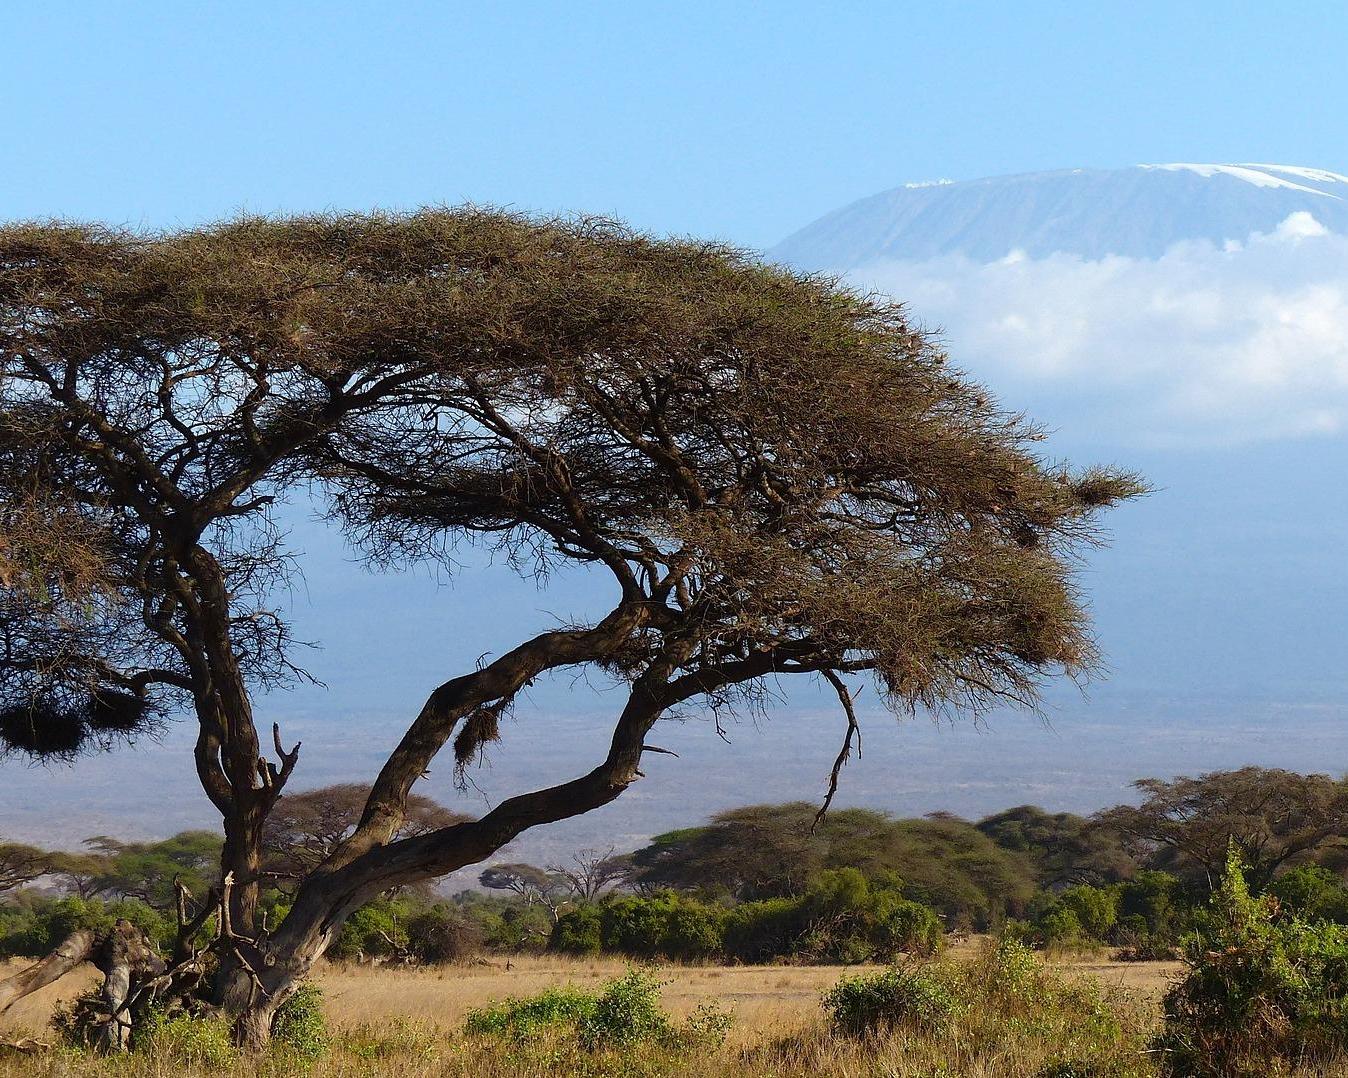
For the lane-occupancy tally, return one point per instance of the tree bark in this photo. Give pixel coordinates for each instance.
(126, 959)
(73, 951)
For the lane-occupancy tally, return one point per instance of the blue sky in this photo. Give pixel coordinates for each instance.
(737, 120)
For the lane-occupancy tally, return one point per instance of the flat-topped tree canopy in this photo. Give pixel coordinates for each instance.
(779, 474)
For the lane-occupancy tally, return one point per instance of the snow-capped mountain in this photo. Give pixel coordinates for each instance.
(1139, 211)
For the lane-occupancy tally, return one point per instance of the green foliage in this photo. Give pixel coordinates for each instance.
(951, 866)
(186, 1040)
(299, 1025)
(626, 1013)
(666, 925)
(520, 1018)
(441, 933)
(1063, 848)
(1312, 892)
(1061, 926)
(423, 931)
(35, 926)
(842, 917)
(1096, 908)
(992, 1005)
(1258, 987)
(147, 870)
(878, 1002)
(578, 931)
(764, 852)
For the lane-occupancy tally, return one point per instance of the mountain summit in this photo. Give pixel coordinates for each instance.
(1138, 211)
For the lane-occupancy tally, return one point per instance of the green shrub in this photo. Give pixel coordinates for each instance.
(188, 1041)
(1096, 909)
(693, 931)
(1060, 925)
(1010, 969)
(1258, 988)
(578, 931)
(442, 934)
(842, 917)
(36, 928)
(904, 927)
(666, 925)
(761, 931)
(625, 1013)
(520, 1018)
(1313, 892)
(299, 1025)
(373, 931)
(877, 1002)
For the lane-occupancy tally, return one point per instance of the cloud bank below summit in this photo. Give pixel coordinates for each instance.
(1204, 345)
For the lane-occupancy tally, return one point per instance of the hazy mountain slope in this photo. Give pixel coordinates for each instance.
(1138, 211)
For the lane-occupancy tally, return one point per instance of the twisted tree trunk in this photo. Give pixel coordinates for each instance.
(72, 952)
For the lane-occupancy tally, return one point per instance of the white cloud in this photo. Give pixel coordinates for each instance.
(1244, 342)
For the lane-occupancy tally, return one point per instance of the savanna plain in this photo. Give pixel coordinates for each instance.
(410, 1022)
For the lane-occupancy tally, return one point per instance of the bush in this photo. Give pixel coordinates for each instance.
(878, 1002)
(1259, 988)
(1313, 892)
(627, 1012)
(519, 1018)
(662, 926)
(35, 928)
(188, 1041)
(299, 1024)
(578, 931)
(1060, 925)
(1096, 909)
(442, 934)
(761, 931)
(373, 931)
(905, 927)
(624, 1014)
(842, 917)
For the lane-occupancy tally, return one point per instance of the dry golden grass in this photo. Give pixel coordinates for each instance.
(765, 998)
(403, 1023)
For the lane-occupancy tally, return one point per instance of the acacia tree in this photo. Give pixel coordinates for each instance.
(777, 476)
(304, 829)
(21, 864)
(1273, 816)
(531, 883)
(590, 871)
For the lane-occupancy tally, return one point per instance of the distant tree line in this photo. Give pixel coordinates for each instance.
(762, 883)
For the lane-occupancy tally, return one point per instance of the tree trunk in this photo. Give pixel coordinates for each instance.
(126, 959)
(73, 951)
(252, 1028)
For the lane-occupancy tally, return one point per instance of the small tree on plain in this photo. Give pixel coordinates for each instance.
(590, 872)
(775, 475)
(531, 883)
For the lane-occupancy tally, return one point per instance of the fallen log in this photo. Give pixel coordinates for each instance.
(74, 950)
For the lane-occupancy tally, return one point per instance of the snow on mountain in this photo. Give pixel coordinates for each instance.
(1139, 211)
